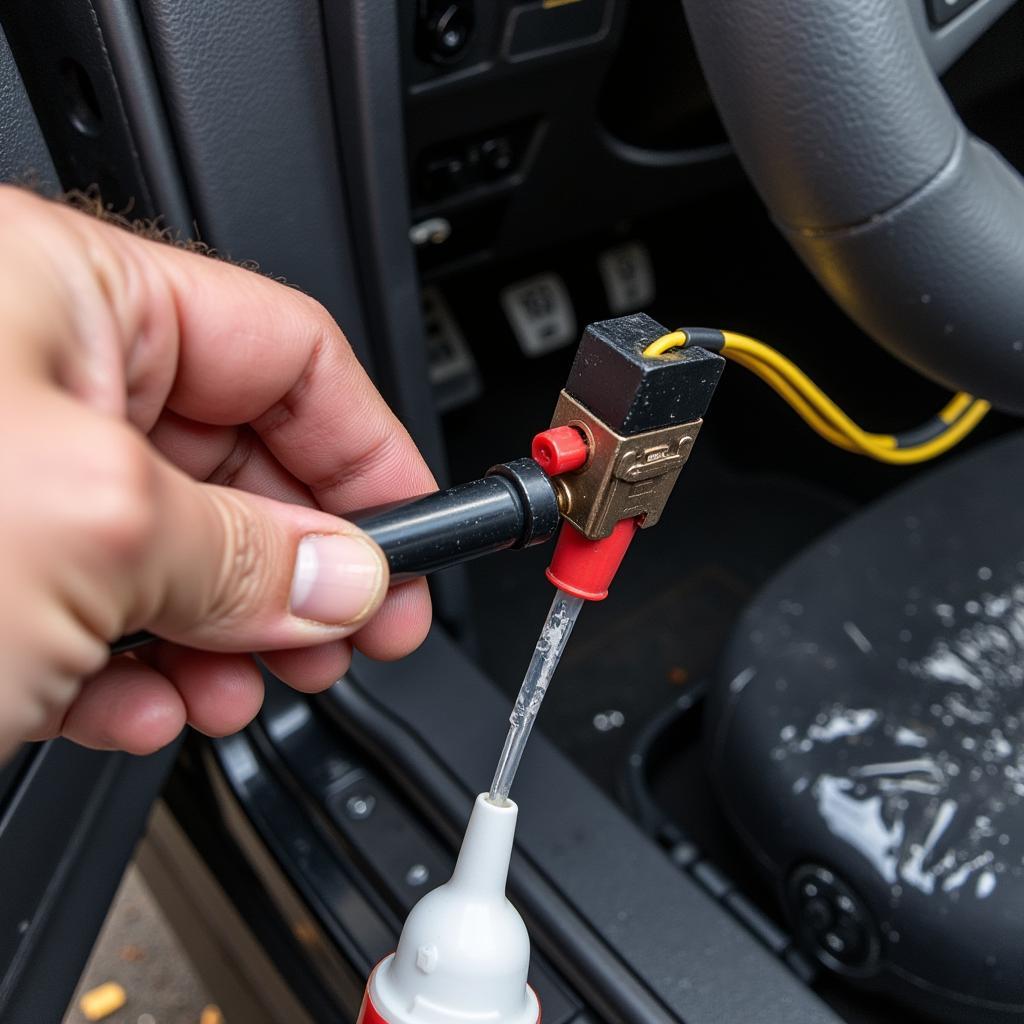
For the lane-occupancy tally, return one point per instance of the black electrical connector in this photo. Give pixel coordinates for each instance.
(513, 506)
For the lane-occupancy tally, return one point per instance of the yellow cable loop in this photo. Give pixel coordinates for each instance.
(793, 398)
(674, 339)
(810, 391)
(837, 433)
(963, 412)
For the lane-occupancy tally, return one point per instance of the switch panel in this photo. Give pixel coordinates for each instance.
(450, 168)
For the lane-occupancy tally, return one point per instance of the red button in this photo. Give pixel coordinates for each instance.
(560, 450)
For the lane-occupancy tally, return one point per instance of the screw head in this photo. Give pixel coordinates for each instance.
(360, 807)
(417, 875)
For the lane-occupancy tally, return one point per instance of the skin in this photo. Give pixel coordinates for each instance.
(172, 427)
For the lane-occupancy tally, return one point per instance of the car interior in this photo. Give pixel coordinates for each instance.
(779, 776)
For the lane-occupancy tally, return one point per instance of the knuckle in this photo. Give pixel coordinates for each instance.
(320, 316)
(122, 508)
(326, 331)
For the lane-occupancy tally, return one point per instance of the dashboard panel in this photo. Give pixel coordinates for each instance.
(546, 120)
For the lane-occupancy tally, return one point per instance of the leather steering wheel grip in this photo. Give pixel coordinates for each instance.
(915, 227)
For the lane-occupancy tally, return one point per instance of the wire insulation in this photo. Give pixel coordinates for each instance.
(952, 424)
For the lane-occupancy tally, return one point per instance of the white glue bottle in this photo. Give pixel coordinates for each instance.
(464, 952)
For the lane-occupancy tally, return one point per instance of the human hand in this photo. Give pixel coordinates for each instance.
(175, 431)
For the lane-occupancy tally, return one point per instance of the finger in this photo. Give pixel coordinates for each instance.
(228, 456)
(246, 463)
(52, 295)
(236, 456)
(291, 372)
(400, 626)
(217, 344)
(196, 448)
(310, 669)
(49, 728)
(222, 569)
(127, 706)
(222, 692)
(404, 616)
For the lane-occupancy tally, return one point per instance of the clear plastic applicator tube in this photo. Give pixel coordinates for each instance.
(565, 609)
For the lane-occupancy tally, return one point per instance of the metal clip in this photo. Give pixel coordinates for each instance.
(625, 477)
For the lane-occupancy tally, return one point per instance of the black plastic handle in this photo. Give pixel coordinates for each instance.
(513, 506)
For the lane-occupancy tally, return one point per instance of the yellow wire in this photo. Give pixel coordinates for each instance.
(674, 339)
(963, 412)
(788, 394)
(955, 409)
(810, 391)
(827, 420)
(938, 445)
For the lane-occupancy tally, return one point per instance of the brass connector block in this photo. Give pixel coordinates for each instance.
(624, 477)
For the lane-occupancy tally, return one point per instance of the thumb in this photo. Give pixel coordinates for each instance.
(227, 570)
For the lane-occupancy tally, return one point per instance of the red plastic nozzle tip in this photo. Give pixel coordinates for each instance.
(585, 568)
(560, 450)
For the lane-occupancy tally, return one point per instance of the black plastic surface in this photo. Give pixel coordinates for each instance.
(576, 175)
(632, 394)
(69, 73)
(535, 29)
(357, 928)
(941, 12)
(654, 96)
(124, 41)
(946, 43)
(513, 506)
(23, 153)
(363, 59)
(868, 721)
(248, 99)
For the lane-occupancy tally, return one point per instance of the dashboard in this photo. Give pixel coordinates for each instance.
(530, 123)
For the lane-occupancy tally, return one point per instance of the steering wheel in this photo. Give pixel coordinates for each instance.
(913, 225)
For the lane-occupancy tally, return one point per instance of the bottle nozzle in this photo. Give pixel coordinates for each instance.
(464, 953)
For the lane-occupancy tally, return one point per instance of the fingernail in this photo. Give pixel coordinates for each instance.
(336, 578)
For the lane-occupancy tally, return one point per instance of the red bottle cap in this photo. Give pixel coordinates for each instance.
(560, 450)
(585, 568)
(368, 1012)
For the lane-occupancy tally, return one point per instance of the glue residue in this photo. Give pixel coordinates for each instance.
(894, 789)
